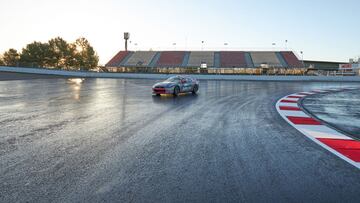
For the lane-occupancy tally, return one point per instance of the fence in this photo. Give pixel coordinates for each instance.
(210, 71)
(89, 74)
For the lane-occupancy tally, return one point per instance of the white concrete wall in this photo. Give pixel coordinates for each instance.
(164, 76)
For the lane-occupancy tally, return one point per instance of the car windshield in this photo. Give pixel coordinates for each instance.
(173, 79)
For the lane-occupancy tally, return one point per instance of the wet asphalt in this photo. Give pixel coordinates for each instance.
(110, 140)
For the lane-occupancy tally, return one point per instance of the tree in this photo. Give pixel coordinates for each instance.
(55, 53)
(1, 61)
(11, 57)
(71, 58)
(36, 54)
(61, 53)
(86, 56)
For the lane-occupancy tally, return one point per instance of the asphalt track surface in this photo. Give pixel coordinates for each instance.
(110, 140)
(341, 110)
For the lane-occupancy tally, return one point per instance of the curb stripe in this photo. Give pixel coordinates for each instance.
(303, 120)
(336, 142)
(295, 97)
(296, 114)
(342, 144)
(350, 148)
(305, 93)
(298, 95)
(289, 108)
(288, 101)
(289, 104)
(292, 99)
(322, 131)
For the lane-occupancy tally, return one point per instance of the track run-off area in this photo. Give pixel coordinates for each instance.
(111, 140)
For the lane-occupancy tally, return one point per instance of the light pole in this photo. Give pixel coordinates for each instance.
(226, 44)
(202, 45)
(274, 44)
(126, 38)
(302, 58)
(286, 47)
(174, 44)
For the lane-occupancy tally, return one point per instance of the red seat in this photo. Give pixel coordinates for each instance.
(171, 58)
(291, 59)
(231, 59)
(116, 60)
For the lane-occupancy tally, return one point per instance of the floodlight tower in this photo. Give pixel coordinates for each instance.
(126, 38)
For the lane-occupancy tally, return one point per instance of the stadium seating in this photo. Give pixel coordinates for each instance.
(198, 57)
(171, 58)
(186, 59)
(281, 59)
(263, 57)
(141, 58)
(117, 59)
(223, 59)
(291, 59)
(233, 59)
(217, 60)
(155, 60)
(249, 61)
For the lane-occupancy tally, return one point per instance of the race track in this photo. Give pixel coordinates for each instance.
(110, 140)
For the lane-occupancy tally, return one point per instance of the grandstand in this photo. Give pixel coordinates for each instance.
(232, 59)
(291, 59)
(171, 59)
(201, 57)
(265, 58)
(141, 59)
(212, 59)
(117, 59)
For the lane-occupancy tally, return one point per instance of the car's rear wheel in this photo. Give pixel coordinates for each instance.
(176, 91)
(195, 89)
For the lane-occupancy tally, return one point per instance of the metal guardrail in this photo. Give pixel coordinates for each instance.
(201, 76)
(336, 73)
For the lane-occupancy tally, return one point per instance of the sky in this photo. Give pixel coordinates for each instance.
(322, 29)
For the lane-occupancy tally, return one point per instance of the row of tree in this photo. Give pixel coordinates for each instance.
(56, 53)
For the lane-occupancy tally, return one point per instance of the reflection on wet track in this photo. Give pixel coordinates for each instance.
(111, 140)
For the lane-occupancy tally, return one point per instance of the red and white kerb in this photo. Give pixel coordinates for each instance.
(341, 145)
